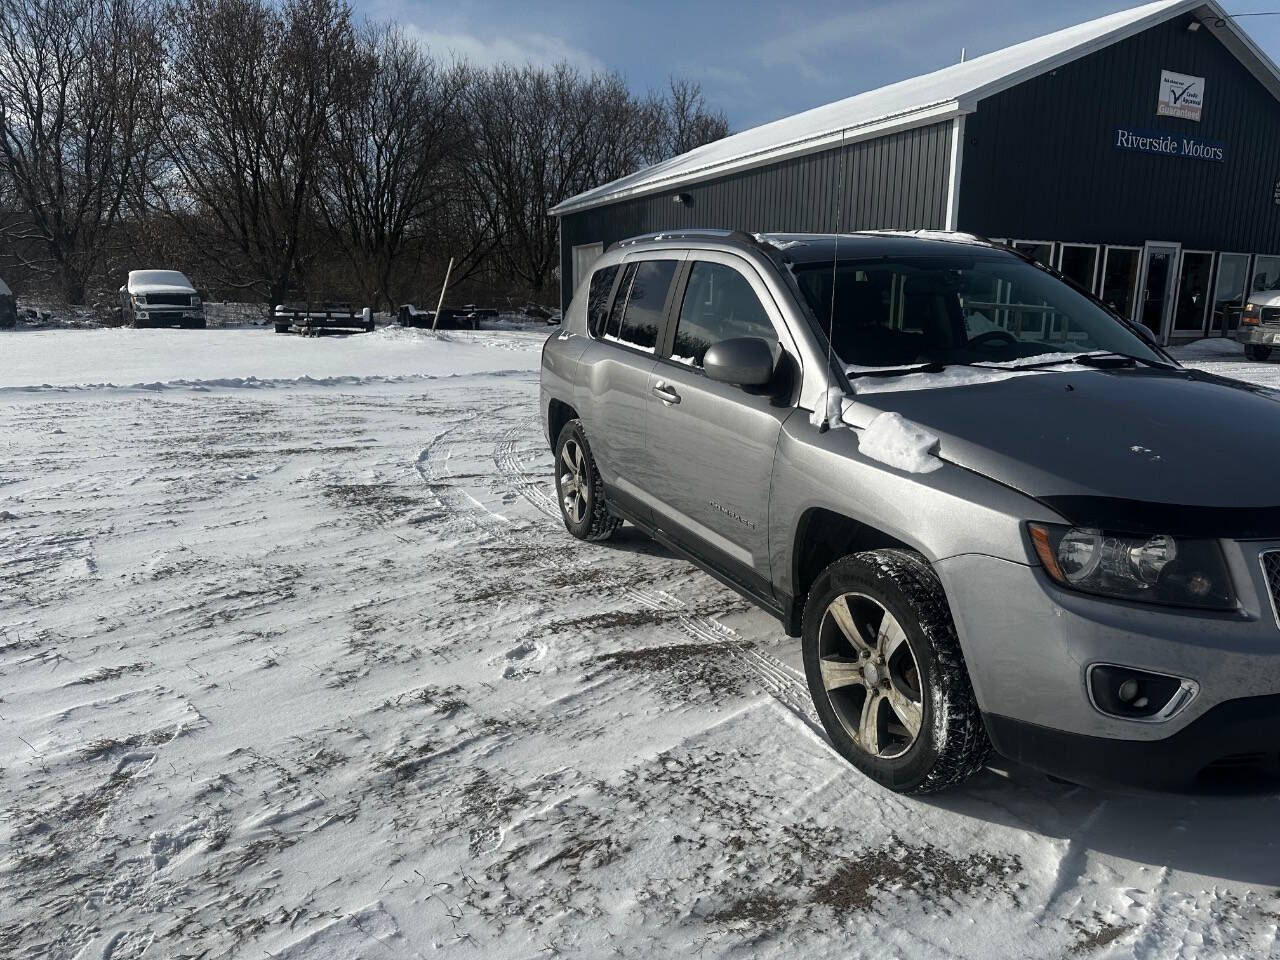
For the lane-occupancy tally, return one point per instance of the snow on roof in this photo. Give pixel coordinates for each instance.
(925, 99)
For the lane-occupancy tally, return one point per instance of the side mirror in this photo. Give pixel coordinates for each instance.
(745, 361)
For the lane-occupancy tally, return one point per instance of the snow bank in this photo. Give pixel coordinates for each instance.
(894, 440)
(254, 357)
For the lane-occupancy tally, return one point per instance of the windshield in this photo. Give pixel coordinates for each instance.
(964, 308)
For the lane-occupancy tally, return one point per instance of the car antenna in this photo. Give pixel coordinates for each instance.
(831, 319)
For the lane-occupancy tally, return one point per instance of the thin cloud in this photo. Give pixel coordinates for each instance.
(537, 49)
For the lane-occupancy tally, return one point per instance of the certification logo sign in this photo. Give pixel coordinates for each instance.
(1180, 96)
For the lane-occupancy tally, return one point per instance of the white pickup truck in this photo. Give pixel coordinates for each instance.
(1259, 328)
(160, 298)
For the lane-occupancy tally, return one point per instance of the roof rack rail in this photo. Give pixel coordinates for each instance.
(696, 233)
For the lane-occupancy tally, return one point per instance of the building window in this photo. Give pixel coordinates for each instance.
(1266, 274)
(1228, 292)
(1079, 262)
(1120, 279)
(1039, 250)
(583, 257)
(1194, 281)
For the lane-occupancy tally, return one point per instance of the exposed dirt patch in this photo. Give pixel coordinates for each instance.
(692, 667)
(1103, 934)
(376, 503)
(922, 871)
(110, 673)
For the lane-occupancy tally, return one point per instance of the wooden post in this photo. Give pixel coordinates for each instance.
(440, 306)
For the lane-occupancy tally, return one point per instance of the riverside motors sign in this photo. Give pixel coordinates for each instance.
(1169, 144)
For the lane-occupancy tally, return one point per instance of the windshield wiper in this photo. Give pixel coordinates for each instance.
(897, 371)
(1106, 360)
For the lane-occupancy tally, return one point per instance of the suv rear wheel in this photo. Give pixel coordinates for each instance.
(579, 489)
(886, 673)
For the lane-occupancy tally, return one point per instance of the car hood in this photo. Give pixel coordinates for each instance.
(1136, 449)
(1265, 298)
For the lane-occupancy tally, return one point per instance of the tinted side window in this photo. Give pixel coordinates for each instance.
(642, 316)
(719, 304)
(598, 298)
(614, 323)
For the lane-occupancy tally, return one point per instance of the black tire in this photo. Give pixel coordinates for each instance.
(1256, 351)
(282, 328)
(951, 744)
(593, 520)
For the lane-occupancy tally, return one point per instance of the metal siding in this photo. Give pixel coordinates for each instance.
(1039, 162)
(895, 181)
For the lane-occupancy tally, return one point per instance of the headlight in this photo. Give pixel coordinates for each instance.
(1146, 569)
(195, 301)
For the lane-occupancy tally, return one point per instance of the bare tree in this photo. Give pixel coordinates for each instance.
(390, 176)
(685, 122)
(250, 123)
(78, 123)
(537, 136)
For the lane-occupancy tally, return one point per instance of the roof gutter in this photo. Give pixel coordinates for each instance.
(917, 117)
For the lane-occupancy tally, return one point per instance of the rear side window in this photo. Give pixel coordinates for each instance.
(719, 304)
(636, 317)
(598, 299)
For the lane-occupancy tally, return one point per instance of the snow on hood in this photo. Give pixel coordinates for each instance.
(1178, 437)
(898, 442)
(158, 281)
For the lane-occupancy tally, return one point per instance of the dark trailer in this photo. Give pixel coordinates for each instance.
(8, 307)
(1139, 154)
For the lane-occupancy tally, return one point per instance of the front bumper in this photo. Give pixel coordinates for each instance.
(1029, 644)
(1236, 743)
(169, 317)
(1262, 334)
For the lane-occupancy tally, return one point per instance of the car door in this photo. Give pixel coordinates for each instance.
(616, 371)
(711, 445)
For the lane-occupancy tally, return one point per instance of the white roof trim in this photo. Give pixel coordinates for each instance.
(945, 93)
(932, 113)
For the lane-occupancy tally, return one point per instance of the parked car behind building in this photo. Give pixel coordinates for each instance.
(160, 298)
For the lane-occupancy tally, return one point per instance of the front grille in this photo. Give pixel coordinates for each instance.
(1271, 567)
(182, 300)
(1271, 315)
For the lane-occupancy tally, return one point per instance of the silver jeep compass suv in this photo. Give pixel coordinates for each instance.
(996, 513)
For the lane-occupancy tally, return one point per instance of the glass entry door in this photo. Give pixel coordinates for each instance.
(1155, 292)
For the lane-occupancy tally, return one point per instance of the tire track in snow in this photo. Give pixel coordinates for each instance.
(776, 678)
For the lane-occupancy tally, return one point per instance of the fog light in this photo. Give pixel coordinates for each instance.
(1131, 694)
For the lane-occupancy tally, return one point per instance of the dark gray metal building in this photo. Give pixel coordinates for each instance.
(1139, 154)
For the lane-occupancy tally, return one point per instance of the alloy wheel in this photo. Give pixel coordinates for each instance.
(574, 483)
(870, 675)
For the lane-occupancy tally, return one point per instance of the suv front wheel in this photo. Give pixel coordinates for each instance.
(886, 673)
(579, 489)
(1256, 351)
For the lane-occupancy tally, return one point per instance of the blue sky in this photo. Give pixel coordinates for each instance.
(757, 62)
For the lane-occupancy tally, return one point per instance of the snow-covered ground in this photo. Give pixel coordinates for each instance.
(311, 670)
